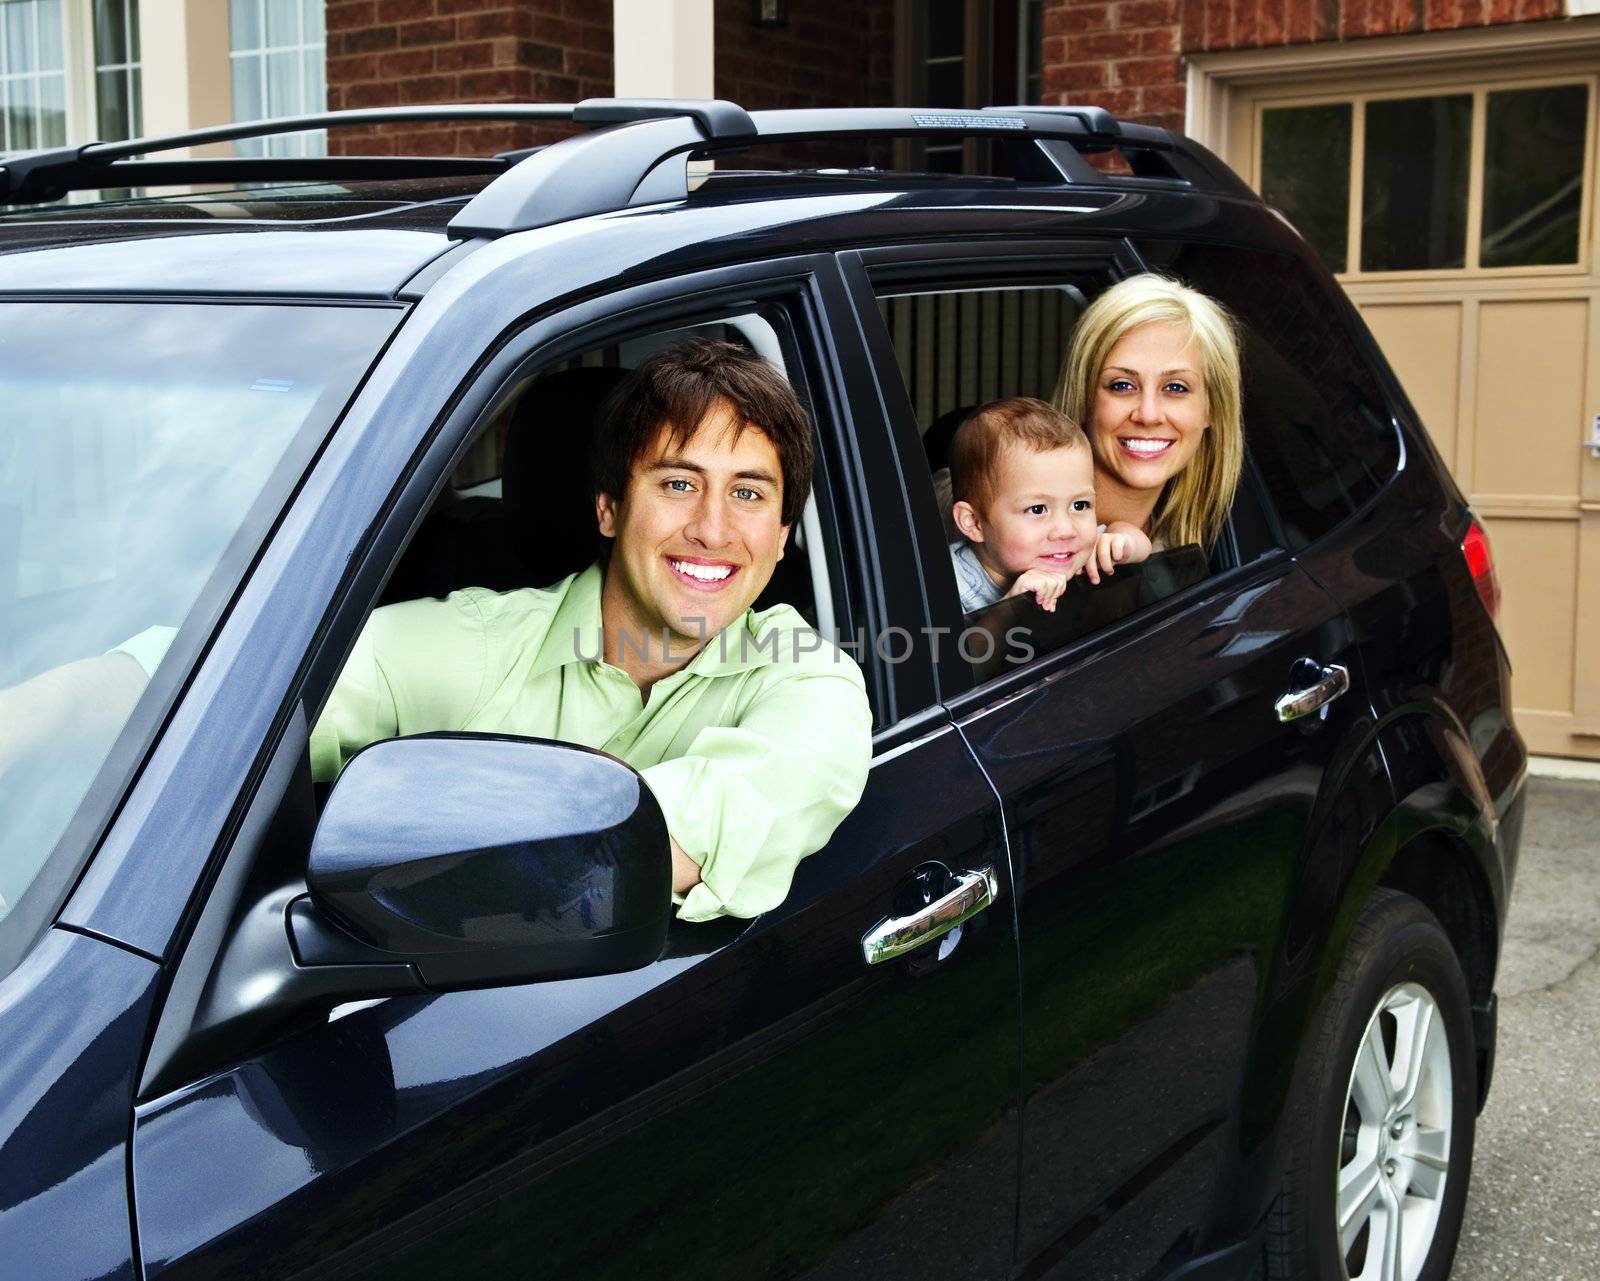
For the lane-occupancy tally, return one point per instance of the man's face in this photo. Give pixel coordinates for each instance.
(698, 531)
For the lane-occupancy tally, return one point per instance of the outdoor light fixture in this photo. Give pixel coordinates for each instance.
(771, 13)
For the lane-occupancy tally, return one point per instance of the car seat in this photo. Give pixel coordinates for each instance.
(542, 527)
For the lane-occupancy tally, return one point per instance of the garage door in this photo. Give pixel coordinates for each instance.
(1458, 214)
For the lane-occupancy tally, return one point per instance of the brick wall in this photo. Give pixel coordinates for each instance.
(831, 53)
(1126, 55)
(389, 53)
(384, 53)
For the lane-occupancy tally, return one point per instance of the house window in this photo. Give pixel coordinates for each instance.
(116, 68)
(276, 47)
(945, 73)
(1461, 179)
(1030, 51)
(33, 75)
(42, 102)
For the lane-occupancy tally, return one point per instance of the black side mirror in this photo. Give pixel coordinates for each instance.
(473, 860)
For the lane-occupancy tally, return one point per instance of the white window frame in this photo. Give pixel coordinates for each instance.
(80, 66)
(85, 9)
(300, 144)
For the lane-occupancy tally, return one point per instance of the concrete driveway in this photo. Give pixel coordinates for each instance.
(1534, 1207)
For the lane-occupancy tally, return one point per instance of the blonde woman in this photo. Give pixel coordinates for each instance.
(1153, 375)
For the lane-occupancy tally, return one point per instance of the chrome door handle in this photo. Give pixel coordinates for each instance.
(894, 936)
(1335, 680)
(1593, 443)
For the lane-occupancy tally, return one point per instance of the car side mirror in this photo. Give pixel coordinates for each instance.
(476, 860)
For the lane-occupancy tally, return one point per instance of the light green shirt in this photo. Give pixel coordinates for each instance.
(756, 749)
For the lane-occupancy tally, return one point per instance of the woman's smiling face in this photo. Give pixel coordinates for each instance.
(1149, 412)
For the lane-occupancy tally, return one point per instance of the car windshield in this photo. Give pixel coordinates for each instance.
(144, 447)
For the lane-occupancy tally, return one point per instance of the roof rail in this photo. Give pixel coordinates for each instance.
(647, 162)
(35, 176)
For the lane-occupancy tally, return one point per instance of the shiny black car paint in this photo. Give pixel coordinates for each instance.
(1090, 1084)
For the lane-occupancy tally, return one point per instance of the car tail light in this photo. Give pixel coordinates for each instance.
(1480, 563)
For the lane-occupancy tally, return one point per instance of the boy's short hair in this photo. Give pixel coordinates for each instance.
(676, 388)
(981, 441)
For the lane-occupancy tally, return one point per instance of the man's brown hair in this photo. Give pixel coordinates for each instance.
(981, 441)
(677, 387)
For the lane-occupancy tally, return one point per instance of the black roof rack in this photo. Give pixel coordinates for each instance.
(646, 163)
(35, 176)
(637, 154)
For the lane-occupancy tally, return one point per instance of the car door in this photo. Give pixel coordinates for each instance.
(760, 1101)
(1162, 818)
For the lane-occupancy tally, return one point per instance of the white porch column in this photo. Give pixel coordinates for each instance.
(663, 48)
(187, 80)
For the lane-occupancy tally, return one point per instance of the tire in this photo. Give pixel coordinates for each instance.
(1359, 1149)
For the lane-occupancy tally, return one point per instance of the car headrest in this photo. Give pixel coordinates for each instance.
(544, 479)
(936, 440)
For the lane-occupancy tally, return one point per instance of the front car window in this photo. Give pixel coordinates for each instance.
(139, 444)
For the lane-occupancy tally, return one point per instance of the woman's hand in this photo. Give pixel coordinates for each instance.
(1120, 544)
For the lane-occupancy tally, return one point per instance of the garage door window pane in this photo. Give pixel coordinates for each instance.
(1414, 199)
(1533, 175)
(1305, 171)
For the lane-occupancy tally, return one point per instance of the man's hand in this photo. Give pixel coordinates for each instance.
(83, 702)
(1120, 544)
(1046, 586)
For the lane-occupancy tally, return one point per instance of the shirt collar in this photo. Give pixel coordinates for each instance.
(576, 634)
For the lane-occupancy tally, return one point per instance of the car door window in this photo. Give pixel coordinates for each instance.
(959, 344)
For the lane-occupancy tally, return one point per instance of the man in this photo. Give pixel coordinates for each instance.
(752, 733)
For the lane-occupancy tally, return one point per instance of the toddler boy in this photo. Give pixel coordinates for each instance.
(1022, 484)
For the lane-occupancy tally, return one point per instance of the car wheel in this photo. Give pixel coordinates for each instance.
(1380, 1129)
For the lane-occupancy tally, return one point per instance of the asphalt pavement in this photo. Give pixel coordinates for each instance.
(1534, 1206)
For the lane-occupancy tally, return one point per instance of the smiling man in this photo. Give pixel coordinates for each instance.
(752, 733)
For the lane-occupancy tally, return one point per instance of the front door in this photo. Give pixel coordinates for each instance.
(1457, 209)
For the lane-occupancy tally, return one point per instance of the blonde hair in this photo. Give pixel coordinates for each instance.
(1195, 502)
(989, 430)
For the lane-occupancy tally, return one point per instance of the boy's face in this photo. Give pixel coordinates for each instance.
(698, 531)
(1041, 515)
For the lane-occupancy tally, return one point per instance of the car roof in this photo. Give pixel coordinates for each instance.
(361, 239)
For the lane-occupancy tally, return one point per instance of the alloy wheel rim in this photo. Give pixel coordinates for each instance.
(1394, 1158)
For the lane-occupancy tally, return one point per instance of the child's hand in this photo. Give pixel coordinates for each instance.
(1120, 544)
(1045, 585)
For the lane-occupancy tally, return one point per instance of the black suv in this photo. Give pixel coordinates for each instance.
(1211, 872)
